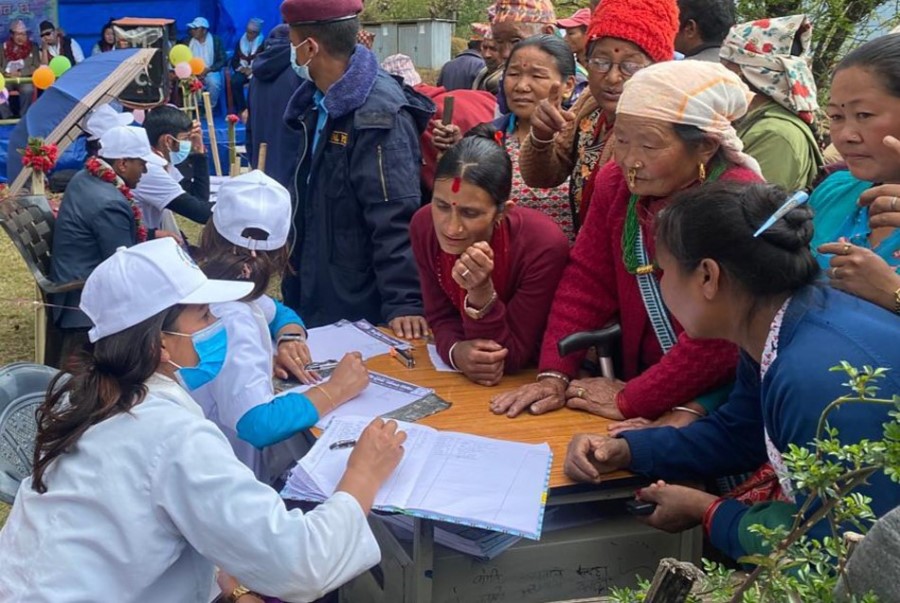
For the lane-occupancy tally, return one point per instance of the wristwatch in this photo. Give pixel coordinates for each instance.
(479, 314)
(239, 591)
(290, 337)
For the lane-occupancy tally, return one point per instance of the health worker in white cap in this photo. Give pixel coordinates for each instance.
(97, 216)
(246, 240)
(136, 497)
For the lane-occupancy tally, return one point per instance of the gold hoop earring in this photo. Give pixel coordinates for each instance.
(702, 172)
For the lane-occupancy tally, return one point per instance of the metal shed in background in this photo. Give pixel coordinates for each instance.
(426, 41)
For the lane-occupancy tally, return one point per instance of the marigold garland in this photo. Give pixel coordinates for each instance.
(100, 169)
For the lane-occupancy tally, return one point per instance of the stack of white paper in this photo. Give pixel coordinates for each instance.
(453, 477)
(332, 342)
(383, 395)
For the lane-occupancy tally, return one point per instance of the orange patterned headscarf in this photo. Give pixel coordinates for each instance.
(695, 93)
(524, 11)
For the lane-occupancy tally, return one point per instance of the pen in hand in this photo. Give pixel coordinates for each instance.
(341, 444)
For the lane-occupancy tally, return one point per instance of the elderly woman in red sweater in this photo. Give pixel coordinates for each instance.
(487, 269)
(673, 132)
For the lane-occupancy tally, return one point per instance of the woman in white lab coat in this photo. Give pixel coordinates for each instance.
(246, 240)
(136, 497)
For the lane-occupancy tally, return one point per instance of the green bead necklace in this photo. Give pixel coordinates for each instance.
(633, 225)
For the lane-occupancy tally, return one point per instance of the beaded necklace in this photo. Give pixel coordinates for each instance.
(633, 225)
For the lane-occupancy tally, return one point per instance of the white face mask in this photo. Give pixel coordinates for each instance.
(184, 150)
(302, 71)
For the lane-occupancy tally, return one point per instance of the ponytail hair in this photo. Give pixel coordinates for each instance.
(221, 259)
(481, 160)
(106, 381)
(718, 220)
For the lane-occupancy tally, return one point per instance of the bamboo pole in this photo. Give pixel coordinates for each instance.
(261, 160)
(211, 124)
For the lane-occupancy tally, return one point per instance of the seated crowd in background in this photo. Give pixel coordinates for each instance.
(580, 181)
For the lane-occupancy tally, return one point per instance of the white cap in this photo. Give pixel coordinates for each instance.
(253, 200)
(198, 22)
(128, 142)
(139, 282)
(104, 118)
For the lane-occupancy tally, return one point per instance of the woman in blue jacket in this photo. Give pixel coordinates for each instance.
(759, 292)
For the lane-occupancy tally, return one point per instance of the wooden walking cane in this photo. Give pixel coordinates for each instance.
(211, 124)
(261, 160)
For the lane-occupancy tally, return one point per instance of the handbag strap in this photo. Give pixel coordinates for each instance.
(652, 298)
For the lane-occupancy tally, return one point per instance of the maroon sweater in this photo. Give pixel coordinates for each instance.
(538, 251)
(596, 289)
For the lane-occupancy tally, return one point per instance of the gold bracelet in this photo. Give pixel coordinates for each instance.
(324, 391)
(553, 375)
(541, 143)
(897, 301)
(690, 410)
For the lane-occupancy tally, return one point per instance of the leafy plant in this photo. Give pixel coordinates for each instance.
(800, 568)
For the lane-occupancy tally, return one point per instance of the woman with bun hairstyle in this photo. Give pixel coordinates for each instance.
(488, 268)
(759, 292)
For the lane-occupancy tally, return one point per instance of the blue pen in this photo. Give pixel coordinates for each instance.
(796, 200)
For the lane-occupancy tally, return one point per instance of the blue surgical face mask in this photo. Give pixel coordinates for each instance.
(302, 71)
(211, 345)
(184, 149)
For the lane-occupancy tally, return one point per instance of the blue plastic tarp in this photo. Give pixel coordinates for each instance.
(84, 19)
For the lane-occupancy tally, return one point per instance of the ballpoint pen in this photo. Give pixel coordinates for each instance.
(341, 444)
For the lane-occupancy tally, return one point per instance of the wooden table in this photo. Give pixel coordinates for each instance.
(470, 412)
(408, 575)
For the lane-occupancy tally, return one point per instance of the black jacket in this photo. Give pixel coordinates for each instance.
(355, 195)
(273, 84)
(94, 220)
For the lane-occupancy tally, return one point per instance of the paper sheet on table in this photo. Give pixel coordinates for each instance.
(332, 342)
(383, 395)
(438, 362)
(454, 477)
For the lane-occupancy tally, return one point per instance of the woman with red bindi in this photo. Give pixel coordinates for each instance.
(488, 268)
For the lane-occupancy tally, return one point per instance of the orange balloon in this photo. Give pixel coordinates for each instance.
(43, 77)
(197, 65)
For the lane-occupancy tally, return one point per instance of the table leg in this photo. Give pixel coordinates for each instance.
(423, 560)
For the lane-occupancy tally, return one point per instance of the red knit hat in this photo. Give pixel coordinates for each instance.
(651, 24)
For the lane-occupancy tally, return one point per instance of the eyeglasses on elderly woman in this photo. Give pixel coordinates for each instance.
(603, 65)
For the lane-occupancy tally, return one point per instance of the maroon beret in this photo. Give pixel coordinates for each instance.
(308, 12)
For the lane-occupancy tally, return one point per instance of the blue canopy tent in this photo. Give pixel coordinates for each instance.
(57, 114)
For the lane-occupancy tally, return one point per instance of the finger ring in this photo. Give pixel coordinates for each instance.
(893, 203)
(581, 392)
(834, 272)
(297, 360)
(465, 273)
(845, 250)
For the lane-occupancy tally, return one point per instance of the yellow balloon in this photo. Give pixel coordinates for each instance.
(43, 77)
(180, 54)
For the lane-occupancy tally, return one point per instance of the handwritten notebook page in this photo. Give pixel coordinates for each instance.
(449, 476)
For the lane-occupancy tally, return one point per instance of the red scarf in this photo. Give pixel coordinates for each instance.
(500, 275)
(14, 52)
